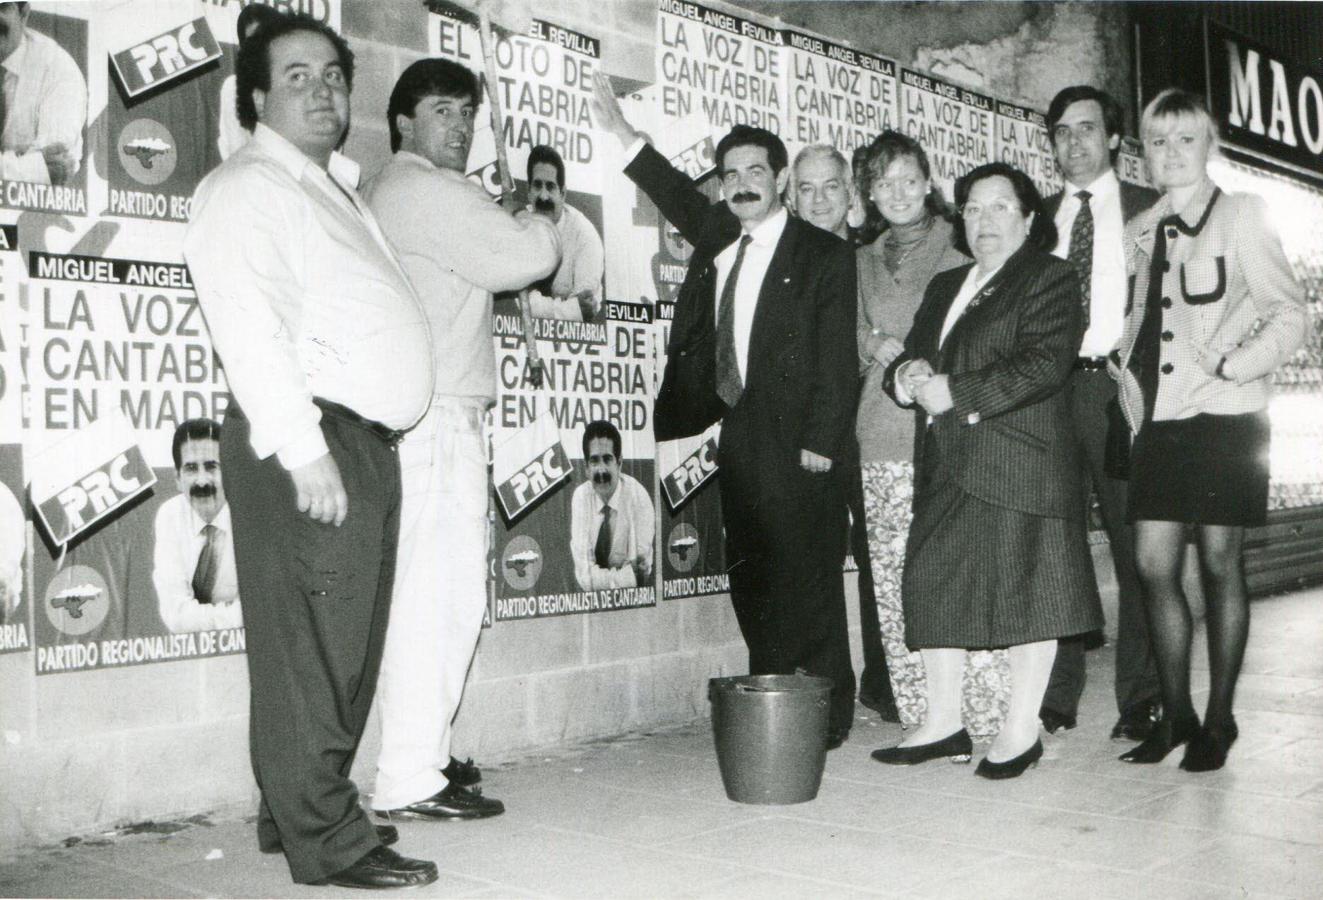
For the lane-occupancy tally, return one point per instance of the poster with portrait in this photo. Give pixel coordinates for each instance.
(544, 83)
(118, 359)
(170, 115)
(556, 466)
(1023, 141)
(954, 125)
(838, 95)
(45, 143)
(15, 601)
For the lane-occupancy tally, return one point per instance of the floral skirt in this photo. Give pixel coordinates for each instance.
(986, 690)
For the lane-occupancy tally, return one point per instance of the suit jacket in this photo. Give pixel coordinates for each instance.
(1227, 285)
(1008, 440)
(801, 383)
(1134, 200)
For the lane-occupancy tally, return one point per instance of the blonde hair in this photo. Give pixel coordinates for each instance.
(1175, 103)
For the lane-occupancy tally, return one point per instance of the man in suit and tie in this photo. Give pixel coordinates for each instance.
(763, 341)
(193, 571)
(1085, 126)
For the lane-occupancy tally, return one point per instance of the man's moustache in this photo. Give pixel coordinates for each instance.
(744, 196)
(544, 205)
(601, 478)
(202, 490)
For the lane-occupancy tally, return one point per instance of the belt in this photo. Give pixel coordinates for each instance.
(389, 436)
(1091, 363)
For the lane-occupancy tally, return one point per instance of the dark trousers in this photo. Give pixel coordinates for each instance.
(874, 682)
(1136, 669)
(785, 552)
(315, 604)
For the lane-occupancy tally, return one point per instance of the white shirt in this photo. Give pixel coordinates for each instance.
(45, 104)
(1108, 284)
(757, 257)
(180, 538)
(968, 291)
(13, 543)
(582, 258)
(304, 298)
(633, 526)
(457, 259)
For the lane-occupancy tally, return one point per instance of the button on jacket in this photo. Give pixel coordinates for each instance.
(1227, 285)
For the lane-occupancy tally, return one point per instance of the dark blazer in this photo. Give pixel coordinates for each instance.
(801, 383)
(1008, 439)
(1134, 200)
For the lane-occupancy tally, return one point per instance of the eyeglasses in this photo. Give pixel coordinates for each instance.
(998, 209)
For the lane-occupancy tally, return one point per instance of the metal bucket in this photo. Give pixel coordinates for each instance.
(771, 735)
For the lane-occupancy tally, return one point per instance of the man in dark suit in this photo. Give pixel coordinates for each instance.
(1085, 125)
(763, 341)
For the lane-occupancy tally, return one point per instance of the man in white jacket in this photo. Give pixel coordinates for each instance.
(457, 247)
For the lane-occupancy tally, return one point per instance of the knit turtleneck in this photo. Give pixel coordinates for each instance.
(901, 240)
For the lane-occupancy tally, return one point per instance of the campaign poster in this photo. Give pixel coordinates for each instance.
(954, 125)
(556, 468)
(14, 592)
(1023, 141)
(732, 71)
(544, 85)
(170, 112)
(838, 95)
(132, 557)
(1130, 165)
(44, 140)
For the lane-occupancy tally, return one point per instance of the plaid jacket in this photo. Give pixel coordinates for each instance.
(1227, 285)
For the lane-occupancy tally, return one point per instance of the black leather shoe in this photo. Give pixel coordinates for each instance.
(956, 747)
(382, 867)
(1054, 721)
(1168, 734)
(451, 802)
(885, 707)
(1011, 768)
(836, 737)
(462, 772)
(387, 834)
(1137, 721)
(1207, 751)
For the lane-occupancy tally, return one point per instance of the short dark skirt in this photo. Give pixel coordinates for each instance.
(1205, 470)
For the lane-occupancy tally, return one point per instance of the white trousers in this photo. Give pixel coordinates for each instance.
(438, 601)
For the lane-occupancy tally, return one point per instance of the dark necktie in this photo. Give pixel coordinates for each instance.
(1081, 250)
(602, 549)
(204, 576)
(729, 384)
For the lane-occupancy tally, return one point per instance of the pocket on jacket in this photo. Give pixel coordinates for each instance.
(1204, 280)
(1018, 435)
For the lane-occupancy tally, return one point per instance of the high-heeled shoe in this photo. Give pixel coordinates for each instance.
(956, 747)
(1011, 768)
(1207, 752)
(1168, 734)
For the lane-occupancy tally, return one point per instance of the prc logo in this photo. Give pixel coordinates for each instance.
(683, 547)
(147, 151)
(521, 563)
(77, 600)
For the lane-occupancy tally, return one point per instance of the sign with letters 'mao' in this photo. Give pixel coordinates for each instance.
(1265, 103)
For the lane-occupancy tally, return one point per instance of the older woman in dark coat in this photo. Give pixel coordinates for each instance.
(997, 555)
